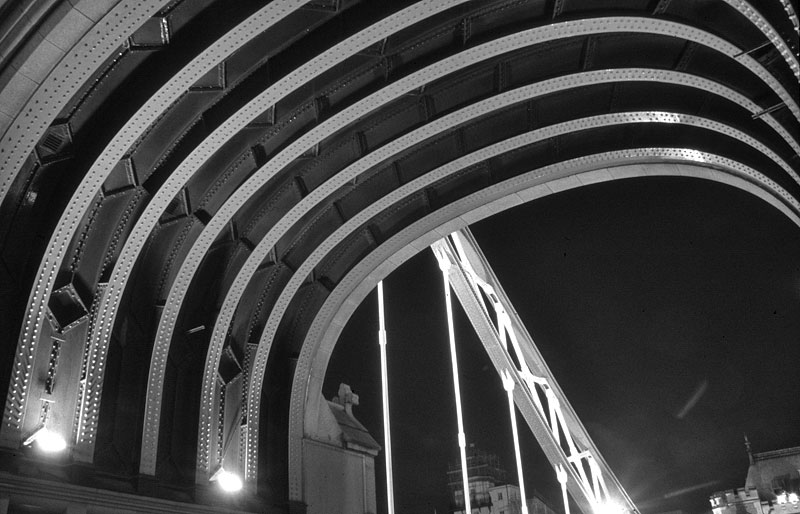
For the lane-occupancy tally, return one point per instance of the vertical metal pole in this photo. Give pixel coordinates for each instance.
(385, 388)
(462, 439)
(508, 385)
(561, 474)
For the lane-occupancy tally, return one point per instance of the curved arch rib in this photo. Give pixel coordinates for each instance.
(360, 281)
(187, 168)
(84, 195)
(79, 63)
(752, 14)
(278, 310)
(35, 313)
(233, 297)
(482, 52)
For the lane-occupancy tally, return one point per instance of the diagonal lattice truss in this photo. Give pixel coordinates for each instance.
(537, 395)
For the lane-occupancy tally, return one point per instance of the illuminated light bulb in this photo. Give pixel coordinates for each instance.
(793, 498)
(47, 440)
(782, 498)
(229, 482)
(50, 442)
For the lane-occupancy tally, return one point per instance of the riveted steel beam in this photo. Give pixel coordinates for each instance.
(54, 256)
(234, 295)
(187, 168)
(752, 14)
(332, 316)
(91, 184)
(302, 273)
(178, 179)
(79, 62)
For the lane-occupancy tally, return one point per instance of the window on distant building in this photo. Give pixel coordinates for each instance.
(500, 497)
(780, 483)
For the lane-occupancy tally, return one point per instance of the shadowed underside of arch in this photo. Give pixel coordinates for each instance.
(196, 194)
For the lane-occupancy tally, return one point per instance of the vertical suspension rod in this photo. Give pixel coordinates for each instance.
(508, 385)
(462, 439)
(561, 474)
(385, 391)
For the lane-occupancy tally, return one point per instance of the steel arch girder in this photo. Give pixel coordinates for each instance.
(566, 29)
(50, 97)
(177, 180)
(40, 313)
(266, 244)
(324, 330)
(66, 70)
(245, 274)
(91, 184)
(280, 306)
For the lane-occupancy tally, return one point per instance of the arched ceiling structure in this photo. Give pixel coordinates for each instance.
(195, 194)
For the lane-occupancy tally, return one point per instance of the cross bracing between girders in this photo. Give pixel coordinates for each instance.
(557, 428)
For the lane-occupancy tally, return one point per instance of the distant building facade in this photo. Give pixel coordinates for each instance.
(489, 490)
(772, 486)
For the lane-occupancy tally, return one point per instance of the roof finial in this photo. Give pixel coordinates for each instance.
(749, 450)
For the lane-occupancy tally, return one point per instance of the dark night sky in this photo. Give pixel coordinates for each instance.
(637, 292)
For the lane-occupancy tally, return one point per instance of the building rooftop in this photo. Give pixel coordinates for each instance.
(774, 471)
(354, 435)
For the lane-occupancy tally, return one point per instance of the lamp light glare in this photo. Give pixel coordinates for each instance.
(793, 498)
(50, 441)
(47, 440)
(781, 498)
(229, 482)
(610, 507)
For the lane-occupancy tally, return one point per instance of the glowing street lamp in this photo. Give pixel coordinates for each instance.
(46, 440)
(229, 482)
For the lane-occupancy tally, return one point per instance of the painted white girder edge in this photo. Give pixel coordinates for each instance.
(360, 281)
(26, 139)
(79, 63)
(29, 55)
(104, 309)
(180, 177)
(159, 102)
(302, 273)
(40, 311)
(98, 173)
(752, 14)
(35, 314)
(790, 12)
(233, 296)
